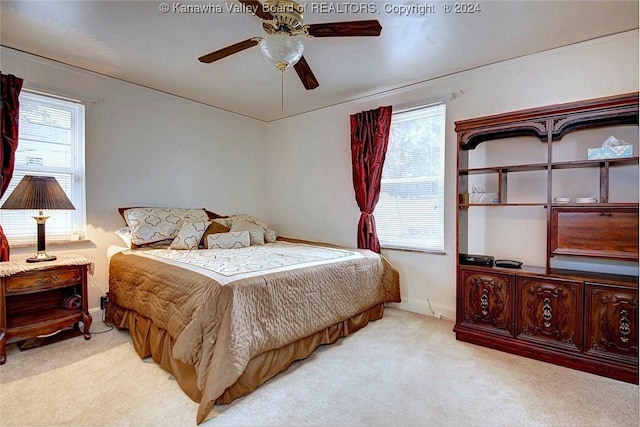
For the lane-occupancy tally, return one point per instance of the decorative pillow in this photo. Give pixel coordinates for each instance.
(256, 232)
(230, 240)
(214, 227)
(125, 235)
(213, 215)
(121, 211)
(162, 244)
(189, 235)
(270, 235)
(148, 225)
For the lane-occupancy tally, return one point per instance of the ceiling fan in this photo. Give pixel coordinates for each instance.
(282, 21)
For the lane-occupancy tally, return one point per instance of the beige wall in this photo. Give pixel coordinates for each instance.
(148, 148)
(309, 155)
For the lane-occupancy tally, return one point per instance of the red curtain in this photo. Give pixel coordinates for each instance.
(369, 140)
(11, 86)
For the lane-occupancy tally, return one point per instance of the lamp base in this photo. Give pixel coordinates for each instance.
(41, 256)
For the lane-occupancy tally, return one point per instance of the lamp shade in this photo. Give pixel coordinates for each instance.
(281, 50)
(38, 193)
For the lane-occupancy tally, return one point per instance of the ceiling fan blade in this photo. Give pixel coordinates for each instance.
(345, 29)
(307, 78)
(229, 50)
(255, 7)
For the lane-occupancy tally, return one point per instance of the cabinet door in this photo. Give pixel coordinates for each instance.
(549, 312)
(612, 323)
(487, 300)
(608, 232)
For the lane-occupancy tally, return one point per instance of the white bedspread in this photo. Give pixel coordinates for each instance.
(228, 265)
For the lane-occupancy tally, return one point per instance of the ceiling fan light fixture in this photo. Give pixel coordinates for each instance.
(281, 50)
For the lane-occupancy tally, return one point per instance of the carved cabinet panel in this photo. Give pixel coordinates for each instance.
(487, 301)
(612, 323)
(549, 312)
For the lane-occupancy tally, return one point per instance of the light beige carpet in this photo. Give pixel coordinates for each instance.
(404, 370)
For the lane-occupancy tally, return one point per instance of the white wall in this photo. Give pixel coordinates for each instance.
(310, 191)
(146, 148)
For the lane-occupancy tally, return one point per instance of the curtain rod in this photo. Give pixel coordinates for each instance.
(407, 108)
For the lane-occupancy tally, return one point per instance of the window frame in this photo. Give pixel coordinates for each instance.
(439, 178)
(63, 226)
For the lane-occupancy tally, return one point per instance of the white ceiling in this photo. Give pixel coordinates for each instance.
(136, 42)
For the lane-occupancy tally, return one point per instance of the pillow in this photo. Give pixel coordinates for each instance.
(213, 215)
(270, 235)
(189, 235)
(230, 240)
(148, 225)
(125, 235)
(162, 244)
(256, 232)
(214, 227)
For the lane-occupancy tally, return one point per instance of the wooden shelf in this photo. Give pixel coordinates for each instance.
(594, 163)
(579, 319)
(504, 169)
(497, 205)
(572, 164)
(594, 205)
(24, 322)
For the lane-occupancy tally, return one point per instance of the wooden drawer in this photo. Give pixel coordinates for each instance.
(608, 232)
(35, 281)
(549, 312)
(487, 301)
(612, 323)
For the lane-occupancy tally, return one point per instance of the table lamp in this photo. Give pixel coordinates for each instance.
(38, 193)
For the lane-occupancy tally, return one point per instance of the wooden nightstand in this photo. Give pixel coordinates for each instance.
(32, 296)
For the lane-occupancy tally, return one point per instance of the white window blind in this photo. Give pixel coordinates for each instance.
(50, 143)
(410, 211)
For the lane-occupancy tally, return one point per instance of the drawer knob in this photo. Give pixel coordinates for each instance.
(42, 280)
(606, 214)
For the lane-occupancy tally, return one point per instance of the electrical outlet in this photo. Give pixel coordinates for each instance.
(103, 302)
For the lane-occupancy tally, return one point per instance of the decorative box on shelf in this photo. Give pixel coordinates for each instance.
(612, 148)
(479, 198)
(610, 152)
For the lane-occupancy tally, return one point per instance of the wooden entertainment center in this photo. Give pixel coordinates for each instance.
(581, 318)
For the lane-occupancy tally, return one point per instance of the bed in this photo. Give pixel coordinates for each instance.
(225, 317)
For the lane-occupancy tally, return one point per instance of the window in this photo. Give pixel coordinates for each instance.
(51, 143)
(410, 211)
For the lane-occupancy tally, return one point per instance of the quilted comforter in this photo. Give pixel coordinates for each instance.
(218, 327)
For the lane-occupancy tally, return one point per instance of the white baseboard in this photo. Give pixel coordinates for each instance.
(426, 307)
(95, 313)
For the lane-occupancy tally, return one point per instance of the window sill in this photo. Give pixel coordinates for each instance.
(422, 251)
(50, 243)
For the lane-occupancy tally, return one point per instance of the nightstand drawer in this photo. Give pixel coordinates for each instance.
(37, 280)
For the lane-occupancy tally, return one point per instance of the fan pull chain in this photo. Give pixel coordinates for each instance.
(282, 90)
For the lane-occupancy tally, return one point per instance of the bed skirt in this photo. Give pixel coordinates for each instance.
(149, 340)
